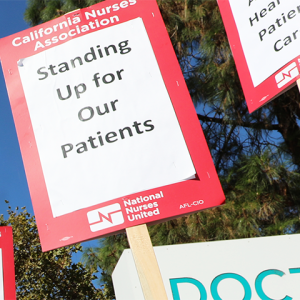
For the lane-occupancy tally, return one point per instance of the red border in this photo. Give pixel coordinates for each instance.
(179, 199)
(267, 90)
(7, 246)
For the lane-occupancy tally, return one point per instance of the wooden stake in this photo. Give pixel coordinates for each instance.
(298, 84)
(146, 263)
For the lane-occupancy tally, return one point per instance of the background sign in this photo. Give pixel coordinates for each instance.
(257, 268)
(7, 266)
(264, 37)
(108, 132)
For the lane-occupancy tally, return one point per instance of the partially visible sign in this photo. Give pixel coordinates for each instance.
(258, 269)
(7, 267)
(265, 39)
(108, 132)
(1, 277)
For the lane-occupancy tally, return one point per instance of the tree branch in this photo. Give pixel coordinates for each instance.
(259, 125)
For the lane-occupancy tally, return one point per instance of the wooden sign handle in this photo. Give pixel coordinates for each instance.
(146, 263)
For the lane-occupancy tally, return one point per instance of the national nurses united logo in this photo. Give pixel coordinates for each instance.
(286, 75)
(105, 217)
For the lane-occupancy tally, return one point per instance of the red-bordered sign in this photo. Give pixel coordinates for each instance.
(112, 216)
(263, 36)
(8, 267)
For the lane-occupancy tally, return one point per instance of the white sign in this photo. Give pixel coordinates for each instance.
(258, 269)
(269, 32)
(104, 129)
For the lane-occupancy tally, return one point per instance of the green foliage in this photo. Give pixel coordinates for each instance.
(40, 11)
(48, 275)
(104, 259)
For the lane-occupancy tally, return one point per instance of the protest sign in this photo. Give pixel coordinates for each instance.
(264, 37)
(108, 132)
(7, 267)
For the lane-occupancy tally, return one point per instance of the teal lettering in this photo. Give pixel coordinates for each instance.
(241, 279)
(261, 277)
(174, 287)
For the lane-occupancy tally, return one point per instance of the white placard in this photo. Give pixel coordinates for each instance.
(103, 121)
(269, 32)
(256, 269)
(1, 277)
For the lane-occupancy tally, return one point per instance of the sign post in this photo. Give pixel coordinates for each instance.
(146, 263)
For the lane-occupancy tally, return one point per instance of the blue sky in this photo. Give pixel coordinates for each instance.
(13, 184)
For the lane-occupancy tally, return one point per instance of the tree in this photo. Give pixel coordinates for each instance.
(256, 156)
(48, 275)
